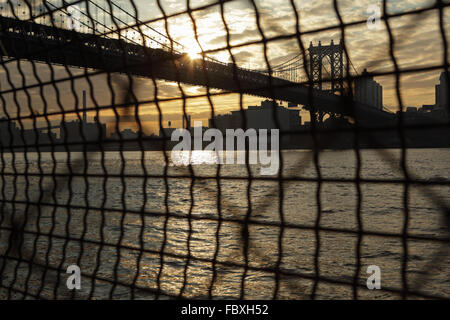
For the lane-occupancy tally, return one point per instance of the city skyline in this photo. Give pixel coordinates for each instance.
(151, 126)
(363, 43)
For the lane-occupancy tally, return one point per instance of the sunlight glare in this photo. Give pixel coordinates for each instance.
(194, 55)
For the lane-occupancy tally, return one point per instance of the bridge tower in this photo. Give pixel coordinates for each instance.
(334, 55)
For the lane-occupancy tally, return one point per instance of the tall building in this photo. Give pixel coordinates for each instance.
(442, 91)
(437, 97)
(368, 91)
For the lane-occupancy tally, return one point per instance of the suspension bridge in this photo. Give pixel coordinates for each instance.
(136, 48)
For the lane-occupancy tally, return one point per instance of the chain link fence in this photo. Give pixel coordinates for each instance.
(112, 202)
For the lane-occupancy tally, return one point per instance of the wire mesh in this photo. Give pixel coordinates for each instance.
(140, 228)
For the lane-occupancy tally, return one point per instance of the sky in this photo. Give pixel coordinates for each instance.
(417, 37)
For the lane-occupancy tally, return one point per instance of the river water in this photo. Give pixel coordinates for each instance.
(117, 183)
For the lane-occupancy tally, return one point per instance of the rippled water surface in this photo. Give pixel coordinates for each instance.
(127, 212)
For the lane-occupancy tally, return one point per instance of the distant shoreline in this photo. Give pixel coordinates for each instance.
(59, 150)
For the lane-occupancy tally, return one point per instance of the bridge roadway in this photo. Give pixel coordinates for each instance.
(37, 42)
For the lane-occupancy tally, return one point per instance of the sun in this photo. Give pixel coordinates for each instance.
(192, 49)
(194, 55)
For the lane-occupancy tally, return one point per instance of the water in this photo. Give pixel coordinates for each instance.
(382, 210)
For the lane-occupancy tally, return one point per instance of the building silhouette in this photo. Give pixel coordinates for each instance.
(442, 91)
(259, 117)
(368, 91)
(82, 130)
(438, 111)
